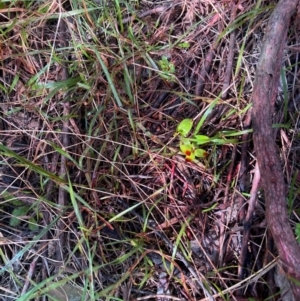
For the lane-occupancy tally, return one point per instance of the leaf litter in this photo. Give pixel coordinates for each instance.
(136, 219)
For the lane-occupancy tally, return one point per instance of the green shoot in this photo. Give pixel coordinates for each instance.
(167, 69)
(189, 145)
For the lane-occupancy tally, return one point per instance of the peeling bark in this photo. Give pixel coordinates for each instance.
(264, 95)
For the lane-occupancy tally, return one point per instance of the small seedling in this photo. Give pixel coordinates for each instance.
(167, 69)
(184, 45)
(189, 143)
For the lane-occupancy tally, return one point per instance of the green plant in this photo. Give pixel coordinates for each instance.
(21, 212)
(167, 68)
(189, 142)
(189, 146)
(184, 45)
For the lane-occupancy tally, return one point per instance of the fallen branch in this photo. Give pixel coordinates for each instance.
(272, 180)
(230, 56)
(62, 195)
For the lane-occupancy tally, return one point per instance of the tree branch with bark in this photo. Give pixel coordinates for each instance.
(272, 179)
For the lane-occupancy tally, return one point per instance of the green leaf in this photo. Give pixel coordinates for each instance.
(190, 158)
(210, 208)
(167, 68)
(220, 141)
(184, 45)
(108, 77)
(63, 152)
(185, 126)
(206, 113)
(15, 221)
(235, 133)
(201, 139)
(34, 167)
(33, 225)
(186, 147)
(20, 211)
(11, 199)
(200, 153)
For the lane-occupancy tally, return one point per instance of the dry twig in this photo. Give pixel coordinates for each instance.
(230, 55)
(65, 143)
(247, 222)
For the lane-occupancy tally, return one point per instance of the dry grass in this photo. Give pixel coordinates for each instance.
(95, 198)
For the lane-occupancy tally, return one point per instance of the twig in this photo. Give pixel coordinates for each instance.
(46, 216)
(222, 226)
(157, 296)
(205, 69)
(247, 223)
(244, 164)
(156, 10)
(29, 276)
(231, 53)
(65, 143)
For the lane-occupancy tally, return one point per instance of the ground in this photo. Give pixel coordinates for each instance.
(98, 201)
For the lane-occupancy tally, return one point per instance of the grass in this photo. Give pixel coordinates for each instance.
(112, 209)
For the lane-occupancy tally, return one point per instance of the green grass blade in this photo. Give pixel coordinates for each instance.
(206, 113)
(108, 77)
(9, 153)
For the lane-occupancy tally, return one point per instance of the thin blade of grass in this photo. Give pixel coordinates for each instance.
(9, 153)
(206, 113)
(108, 77)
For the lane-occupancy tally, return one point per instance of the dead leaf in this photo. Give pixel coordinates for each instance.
(66, 292)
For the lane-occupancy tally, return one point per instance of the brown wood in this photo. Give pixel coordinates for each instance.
(264, 95)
